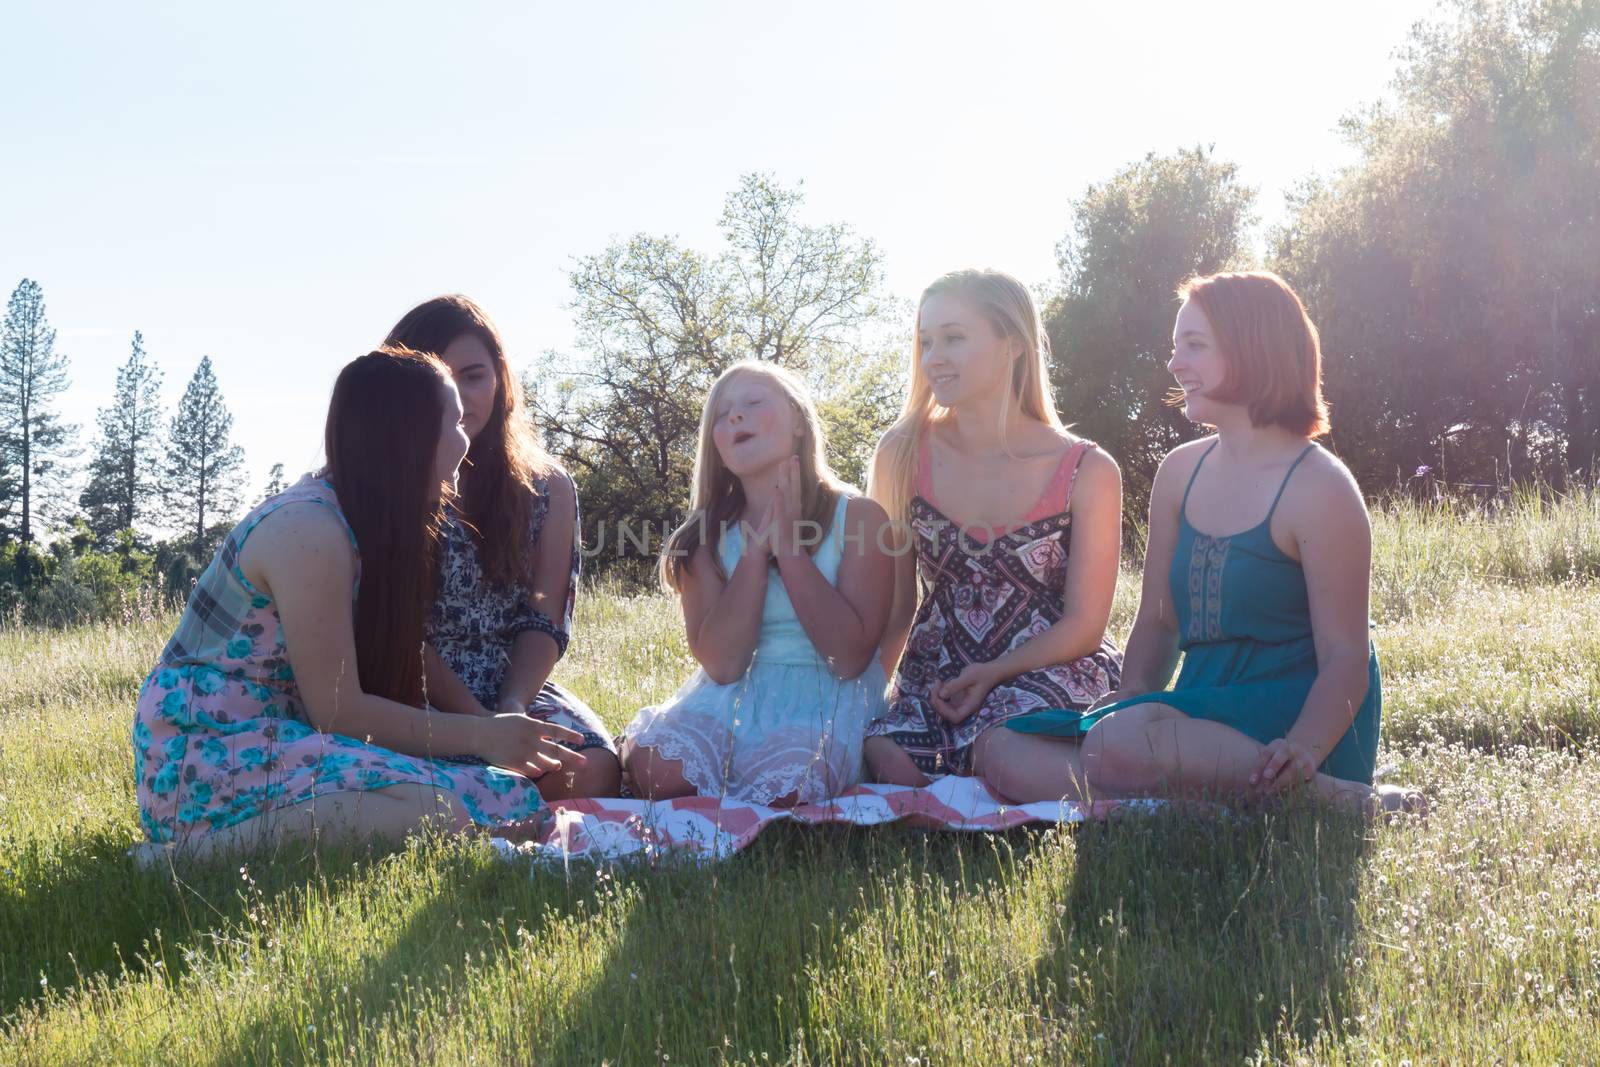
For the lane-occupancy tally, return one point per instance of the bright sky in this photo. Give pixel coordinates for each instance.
(274, 184)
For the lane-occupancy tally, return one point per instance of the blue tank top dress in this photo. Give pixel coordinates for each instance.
(1244, 627)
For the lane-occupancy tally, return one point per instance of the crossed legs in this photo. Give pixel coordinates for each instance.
(1156, 750)
(1023, 768)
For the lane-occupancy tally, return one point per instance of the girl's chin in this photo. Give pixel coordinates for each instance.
(745, 467)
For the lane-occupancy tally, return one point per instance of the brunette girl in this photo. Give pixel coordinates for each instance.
(291, 699)
(508, 583)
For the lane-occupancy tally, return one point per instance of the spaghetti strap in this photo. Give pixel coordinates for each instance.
(1289, 474)
(1183, 508)
(1071, 463)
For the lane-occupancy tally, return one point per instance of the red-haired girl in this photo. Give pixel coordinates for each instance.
(1256, 571)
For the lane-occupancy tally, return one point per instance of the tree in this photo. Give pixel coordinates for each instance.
(1135, 238)
(202, 467)
(658, 322)
(1451, 268)
(34, 445)
(124, 476)
(275, 483)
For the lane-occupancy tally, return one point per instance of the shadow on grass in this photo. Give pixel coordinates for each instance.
(84, 908)
(722, 962)
(461, 908)
(714, 957)
(1200, 938)
(1172, 937)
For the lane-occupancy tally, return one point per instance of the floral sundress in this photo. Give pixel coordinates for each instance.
(221, 735)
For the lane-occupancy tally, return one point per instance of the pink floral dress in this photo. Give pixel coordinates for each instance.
(221, 735)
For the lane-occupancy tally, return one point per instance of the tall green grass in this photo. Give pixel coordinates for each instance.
(1287, 937)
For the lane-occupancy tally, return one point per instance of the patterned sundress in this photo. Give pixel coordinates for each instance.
(984, 593)
(476, 621)
(221, 734)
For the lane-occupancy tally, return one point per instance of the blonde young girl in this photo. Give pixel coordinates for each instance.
(785, 582)
(1014, 525)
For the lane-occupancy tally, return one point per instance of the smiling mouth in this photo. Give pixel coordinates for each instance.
(943, 379)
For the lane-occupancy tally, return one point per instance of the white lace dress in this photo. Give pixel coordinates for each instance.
(789, 729)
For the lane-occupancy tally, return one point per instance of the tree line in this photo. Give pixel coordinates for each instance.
(1451, 268)
(144, 469)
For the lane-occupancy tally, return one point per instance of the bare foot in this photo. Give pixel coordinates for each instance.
(1386, 802)
(152, 855)
(1395, 800)
(529, 829)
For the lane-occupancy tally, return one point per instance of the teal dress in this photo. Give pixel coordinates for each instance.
(1244, 627)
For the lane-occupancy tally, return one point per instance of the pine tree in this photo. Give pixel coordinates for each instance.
(203, 468)
(125, 474)
(34, 446)
(275, 483)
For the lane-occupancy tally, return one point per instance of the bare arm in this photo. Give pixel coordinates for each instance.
(301, 556)
(1151, 654)
(444, 689)
(903, 557)
(845, 622)
(534, 653)
(1334, 538)
(722, 619)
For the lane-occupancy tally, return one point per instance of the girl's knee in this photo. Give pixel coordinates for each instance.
(414, 805)
(654, 776)
(600, 776)
(1125, 756)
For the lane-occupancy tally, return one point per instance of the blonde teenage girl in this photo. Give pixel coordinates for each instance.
(1014, 528)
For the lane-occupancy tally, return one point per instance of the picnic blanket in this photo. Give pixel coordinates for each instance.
(710, 828)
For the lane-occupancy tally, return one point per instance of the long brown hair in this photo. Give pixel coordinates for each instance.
(496, 486)
(381, 438)
(718, 495)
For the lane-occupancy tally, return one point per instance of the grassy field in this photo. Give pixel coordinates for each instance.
(1291, 937)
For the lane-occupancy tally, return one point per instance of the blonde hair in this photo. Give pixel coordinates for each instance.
(718, 497)
(1007, 305)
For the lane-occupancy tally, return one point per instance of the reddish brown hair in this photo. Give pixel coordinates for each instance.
(1269, 345)
(382, 437)
(496, 485)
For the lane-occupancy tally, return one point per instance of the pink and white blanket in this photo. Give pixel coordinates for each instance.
(708, 829)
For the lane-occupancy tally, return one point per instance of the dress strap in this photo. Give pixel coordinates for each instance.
(1071, 463)
(1183, 508)
(1289, 474)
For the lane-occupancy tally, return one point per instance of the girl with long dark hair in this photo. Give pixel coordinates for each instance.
(293, 699)
(508, 576)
